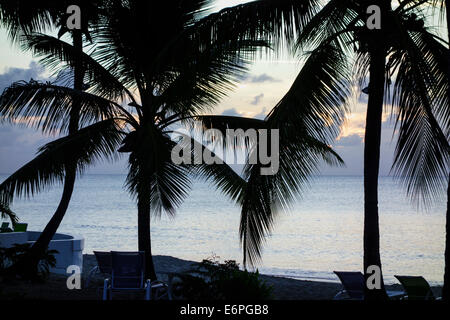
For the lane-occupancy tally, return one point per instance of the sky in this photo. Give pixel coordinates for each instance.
(267, 82)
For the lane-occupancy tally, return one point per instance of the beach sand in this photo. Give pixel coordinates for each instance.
(55, 287)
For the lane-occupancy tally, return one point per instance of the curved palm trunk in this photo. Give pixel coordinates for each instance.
(144, 238)
(52, 226)
(446, 288)
(371, 166)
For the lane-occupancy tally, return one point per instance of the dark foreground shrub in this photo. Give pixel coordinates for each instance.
(212, 280)
(11, 257)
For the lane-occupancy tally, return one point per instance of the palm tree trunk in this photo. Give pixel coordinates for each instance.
(372, 164)
(52, 226)
(144, 238)
(446, 288)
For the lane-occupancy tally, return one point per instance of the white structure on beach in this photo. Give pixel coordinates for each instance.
(70, 248)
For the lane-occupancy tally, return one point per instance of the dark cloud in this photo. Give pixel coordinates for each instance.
(256, 100)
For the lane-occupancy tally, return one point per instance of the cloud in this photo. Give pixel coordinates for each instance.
(231, 112)
(12, 75)
(262, 115)
(18, 144)
(259, 78)
(256, 100)
(351, 140)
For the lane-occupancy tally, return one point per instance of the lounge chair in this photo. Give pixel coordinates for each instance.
(20, 227)
(5, 227)
(103, 265)
(354, 284)
(127, 274)
(416, 287)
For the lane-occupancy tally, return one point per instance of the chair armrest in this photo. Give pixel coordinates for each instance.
(91, 272)
(158, 284)
(339, 294)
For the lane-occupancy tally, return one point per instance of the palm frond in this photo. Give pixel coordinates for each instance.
(265, 196)
(420, 99)
(23, 17)
(200, 77)
(333, 21)
(48, 106)
(228, 181)
(153, 175)
(57, 54)
(316, 102)
(277, 21)
(98, 141)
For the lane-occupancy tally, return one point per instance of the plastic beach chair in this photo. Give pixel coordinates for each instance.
(20, 227)
(103, 265)
(127, 274)
(416, 287)
(354, 283)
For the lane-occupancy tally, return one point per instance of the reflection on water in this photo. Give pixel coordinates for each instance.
(322, 233)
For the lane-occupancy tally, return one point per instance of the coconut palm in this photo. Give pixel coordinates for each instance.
(405, 52)
(21, 19)
(182, 73)
(444, 6)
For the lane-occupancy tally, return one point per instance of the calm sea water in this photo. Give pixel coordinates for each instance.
(322, 233)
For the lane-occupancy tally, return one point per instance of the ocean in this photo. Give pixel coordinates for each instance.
(323, 231)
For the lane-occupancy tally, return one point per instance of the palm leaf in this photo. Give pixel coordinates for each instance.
(422, 151)
(267, 195)
(277, 21)
(57, 54)
(48, 106)
(152, 176)
(84, 147)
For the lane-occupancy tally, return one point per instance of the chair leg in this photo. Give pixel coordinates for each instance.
(170, 287)
(148, 290)
(105, 289)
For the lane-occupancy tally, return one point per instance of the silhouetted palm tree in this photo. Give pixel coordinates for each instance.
(160, 59)
(445, 6)
(21, 19)
(415, 59)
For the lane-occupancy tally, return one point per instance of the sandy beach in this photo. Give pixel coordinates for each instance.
(55, 287)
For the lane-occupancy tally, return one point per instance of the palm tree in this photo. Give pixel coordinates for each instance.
(182, 73)
(22, 19)
(445, 6)
(402, 49)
